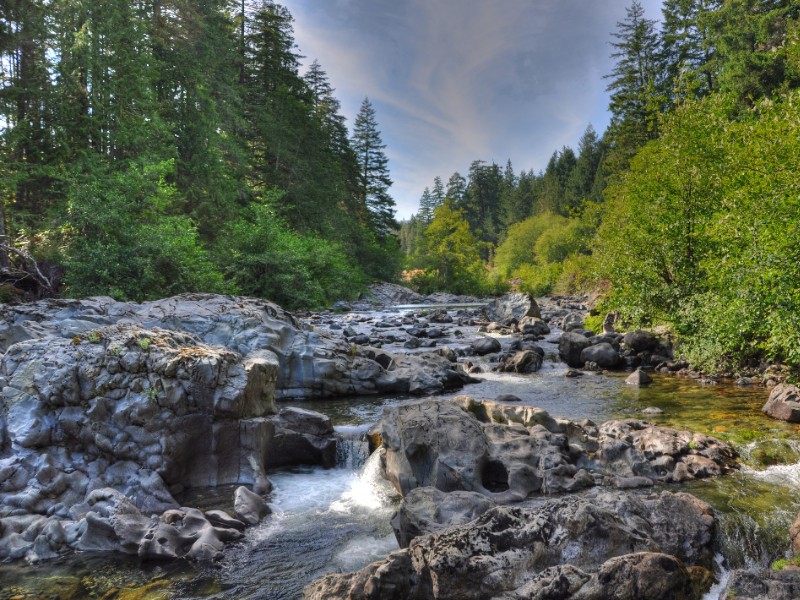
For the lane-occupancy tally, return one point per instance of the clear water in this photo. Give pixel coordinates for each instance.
(338, 519)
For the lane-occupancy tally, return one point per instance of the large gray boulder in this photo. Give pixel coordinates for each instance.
(602, 354)
(138, 410)
(432, 443)
(505, 550)
(391, 294)
(526, 361)
(513, 307)
(784, 403)
(302, 437)
(485, 345)
(641, 341)
(145, 414)
(571, 347)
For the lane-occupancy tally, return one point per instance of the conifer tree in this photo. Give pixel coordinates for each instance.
(373, 175)
(636, 96)
(456, 188)
(426, 206)
(685, 45)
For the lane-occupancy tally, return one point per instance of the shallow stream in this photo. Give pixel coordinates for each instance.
(338, 519)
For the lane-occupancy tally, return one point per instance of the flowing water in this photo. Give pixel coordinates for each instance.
(338, 519)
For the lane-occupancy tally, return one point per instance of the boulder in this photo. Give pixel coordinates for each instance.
(432, 443)
(639, 378)
(634, 448)
(485, 345)
(505, 550)
(765, 584)
(509, 452)
(248, 506)
(302, 437)
(513, 307)
(570, 348)
(602, 354)
(532, 326)
(784, 403)
(641, 341)
(572, 321)
(526, 361)
(391, 294)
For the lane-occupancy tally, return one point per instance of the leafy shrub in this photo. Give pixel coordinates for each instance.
(264, 258)
(118, 241)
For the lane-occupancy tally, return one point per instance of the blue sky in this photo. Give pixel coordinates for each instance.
(453, 81)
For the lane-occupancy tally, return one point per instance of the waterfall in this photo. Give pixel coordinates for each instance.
(352, 447)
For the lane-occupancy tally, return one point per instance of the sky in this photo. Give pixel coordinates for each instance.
(453, 81)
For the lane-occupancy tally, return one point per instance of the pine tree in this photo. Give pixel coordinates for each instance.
(426, 206)
(750, 39)
(581, 180)
(685, 45)
(456, 188)
(373, 177)
(636, 95)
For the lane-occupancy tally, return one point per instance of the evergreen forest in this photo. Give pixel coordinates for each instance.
(162, 146)
(151, 147)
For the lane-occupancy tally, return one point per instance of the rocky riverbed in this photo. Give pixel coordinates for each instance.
(113, 414)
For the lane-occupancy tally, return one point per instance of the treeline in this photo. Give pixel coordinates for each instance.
(150, 147)
(686, 209)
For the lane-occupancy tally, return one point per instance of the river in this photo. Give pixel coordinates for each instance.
(338, 519)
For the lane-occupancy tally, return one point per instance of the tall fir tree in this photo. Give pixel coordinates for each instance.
(426, 206)
(456, 188)
(686, 49)
(636, 84)
(373, 171)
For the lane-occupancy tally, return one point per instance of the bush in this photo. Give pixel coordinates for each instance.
(264, 258)
(118, 241)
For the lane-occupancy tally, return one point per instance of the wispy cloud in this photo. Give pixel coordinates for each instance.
(458, 80)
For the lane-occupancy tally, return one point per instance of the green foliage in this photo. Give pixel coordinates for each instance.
(701, 232)
(120, 242)
(263, 257)
(452, 260)
(536, 251)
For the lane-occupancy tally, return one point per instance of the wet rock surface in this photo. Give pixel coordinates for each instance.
(605, 545)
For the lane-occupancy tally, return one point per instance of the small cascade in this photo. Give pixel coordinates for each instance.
(352, 447)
